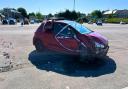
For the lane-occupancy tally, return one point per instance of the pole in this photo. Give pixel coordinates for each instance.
(74, 5)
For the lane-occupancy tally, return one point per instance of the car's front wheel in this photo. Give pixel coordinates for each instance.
(84, 56)
(83, 53)
(39, 46)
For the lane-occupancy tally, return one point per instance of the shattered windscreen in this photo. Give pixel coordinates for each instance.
(80, 28)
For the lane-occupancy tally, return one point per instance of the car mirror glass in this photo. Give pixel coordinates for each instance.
(48, 26)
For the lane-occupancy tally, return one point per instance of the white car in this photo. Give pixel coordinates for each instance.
(99, 22)
(122, 22)
(32, 21)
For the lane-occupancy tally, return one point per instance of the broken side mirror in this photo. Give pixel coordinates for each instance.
(48, 26)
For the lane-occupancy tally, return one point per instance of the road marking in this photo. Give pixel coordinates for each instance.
(67, 87)
(125, 88)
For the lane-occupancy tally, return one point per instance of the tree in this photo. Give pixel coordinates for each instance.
(96, 14)
(71, 15)
(39, 16)
(50, 15)
(66, 14)
(74, 15)
(23, 12)
(31, 14)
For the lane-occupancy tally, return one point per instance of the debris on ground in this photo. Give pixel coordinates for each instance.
(6, 59)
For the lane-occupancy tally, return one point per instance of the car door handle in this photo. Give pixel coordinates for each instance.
(60, 37)
(67, 37)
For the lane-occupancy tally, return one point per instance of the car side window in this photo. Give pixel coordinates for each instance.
(67, 32)
(58, 27)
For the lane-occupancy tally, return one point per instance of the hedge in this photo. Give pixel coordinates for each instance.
(116, 20)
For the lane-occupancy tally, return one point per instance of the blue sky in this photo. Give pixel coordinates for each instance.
(54, 6)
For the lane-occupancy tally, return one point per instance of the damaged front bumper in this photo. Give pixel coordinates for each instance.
(101, 51)
(97, 53)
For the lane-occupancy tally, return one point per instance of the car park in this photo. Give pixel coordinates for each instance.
(70, 37)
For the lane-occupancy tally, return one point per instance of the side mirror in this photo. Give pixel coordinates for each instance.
(48, 26)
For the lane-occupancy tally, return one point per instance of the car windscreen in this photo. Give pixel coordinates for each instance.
(80, 28)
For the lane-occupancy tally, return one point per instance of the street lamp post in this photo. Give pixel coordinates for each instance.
(74, 4)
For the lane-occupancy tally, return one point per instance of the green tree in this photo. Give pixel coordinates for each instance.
(96, 14)
(74, 15)
(39, 16)
(50, 15)
(31, 14)
(23, 12)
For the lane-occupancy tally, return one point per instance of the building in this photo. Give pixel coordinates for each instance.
(116, 13)
(11, 13)
(121, 13)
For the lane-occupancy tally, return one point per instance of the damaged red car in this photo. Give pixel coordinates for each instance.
(70, 37)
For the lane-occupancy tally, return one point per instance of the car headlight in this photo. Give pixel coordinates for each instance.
(99, 45)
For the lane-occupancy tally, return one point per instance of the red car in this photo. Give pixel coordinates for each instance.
(70, 37)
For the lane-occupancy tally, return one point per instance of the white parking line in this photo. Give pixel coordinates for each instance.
(125, 88)
(67, 87)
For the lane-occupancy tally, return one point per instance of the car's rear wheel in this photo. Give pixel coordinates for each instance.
(39, 46)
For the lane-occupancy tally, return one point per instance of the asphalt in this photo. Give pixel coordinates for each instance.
(23, 68)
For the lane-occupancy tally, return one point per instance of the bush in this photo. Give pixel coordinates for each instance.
(116, 20)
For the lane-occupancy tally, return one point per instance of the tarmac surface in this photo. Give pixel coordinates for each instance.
(21, 67)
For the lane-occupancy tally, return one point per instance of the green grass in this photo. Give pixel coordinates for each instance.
(116, 20)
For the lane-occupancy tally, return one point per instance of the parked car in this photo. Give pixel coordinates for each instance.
(12, 22)
(32, 21)
(99, 22)
(90, 22)
(25, 22)
(70, 37)
(5, 22)
(37, 21)
(121, 22)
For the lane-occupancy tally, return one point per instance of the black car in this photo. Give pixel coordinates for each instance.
(4, 22)
(12, 22)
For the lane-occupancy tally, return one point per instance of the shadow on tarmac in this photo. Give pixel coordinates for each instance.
(70, 65)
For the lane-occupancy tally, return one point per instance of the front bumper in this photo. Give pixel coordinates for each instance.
(102, 51)
(98, 52)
